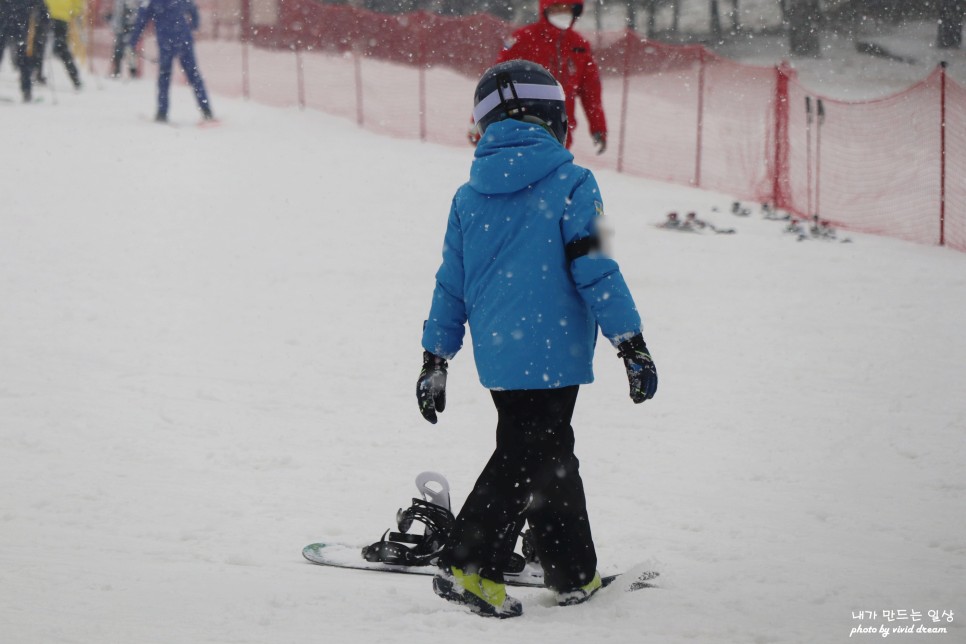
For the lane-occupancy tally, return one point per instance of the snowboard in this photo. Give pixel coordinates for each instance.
(344, 556)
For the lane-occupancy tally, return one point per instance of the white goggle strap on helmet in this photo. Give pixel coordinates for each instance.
(522, 91)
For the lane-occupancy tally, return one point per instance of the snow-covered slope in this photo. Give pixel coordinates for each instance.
(208, 348)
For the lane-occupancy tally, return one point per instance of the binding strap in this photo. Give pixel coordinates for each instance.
(404, 549)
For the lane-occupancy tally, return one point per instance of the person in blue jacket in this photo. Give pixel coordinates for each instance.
(523, 266)
(174, 22)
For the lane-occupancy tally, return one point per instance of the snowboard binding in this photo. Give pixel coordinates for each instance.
(433, 511)
(404, 548)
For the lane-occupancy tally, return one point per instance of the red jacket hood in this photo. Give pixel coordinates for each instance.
(545, 4)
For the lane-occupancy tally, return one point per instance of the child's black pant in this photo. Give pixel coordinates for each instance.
(532, 475)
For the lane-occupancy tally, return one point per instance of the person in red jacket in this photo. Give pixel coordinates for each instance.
(553, 43)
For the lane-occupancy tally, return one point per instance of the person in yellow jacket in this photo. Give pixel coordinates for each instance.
(62, 13)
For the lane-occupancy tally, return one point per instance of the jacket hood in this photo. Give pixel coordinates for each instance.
(512, 155)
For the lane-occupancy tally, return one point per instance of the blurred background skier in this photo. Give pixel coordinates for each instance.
(62, 14)
(174, 24)
(553, 43)
(39, 27)
(122, 18)
(14, 18)
(523, 266)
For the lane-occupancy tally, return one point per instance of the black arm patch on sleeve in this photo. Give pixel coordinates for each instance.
(580, 247)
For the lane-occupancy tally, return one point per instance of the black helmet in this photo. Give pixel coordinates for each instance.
(521, 90)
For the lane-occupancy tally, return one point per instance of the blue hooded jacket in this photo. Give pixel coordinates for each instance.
(174, 20)
(532, 314)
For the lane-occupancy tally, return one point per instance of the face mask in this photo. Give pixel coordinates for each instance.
(561, 20)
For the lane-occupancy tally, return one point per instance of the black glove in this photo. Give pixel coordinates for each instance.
(600, 140)
(431, 386)
(641, 373)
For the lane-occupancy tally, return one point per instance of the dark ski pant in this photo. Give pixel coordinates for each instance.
(125, 22)
(13, 29)
(185, 53)
(41, 27)
(533, 475)
(117, 56)
(62, 49)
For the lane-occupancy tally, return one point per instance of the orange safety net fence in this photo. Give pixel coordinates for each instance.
(892, 166)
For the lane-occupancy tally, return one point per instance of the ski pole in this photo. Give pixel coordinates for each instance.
(808, 156)
(50, 75)
(818, 155)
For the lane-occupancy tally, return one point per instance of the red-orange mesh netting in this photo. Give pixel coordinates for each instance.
(893, 166)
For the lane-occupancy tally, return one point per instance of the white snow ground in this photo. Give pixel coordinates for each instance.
(208, 348)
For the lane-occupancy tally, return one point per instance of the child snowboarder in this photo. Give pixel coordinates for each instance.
(522, 265)
(174, 22)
